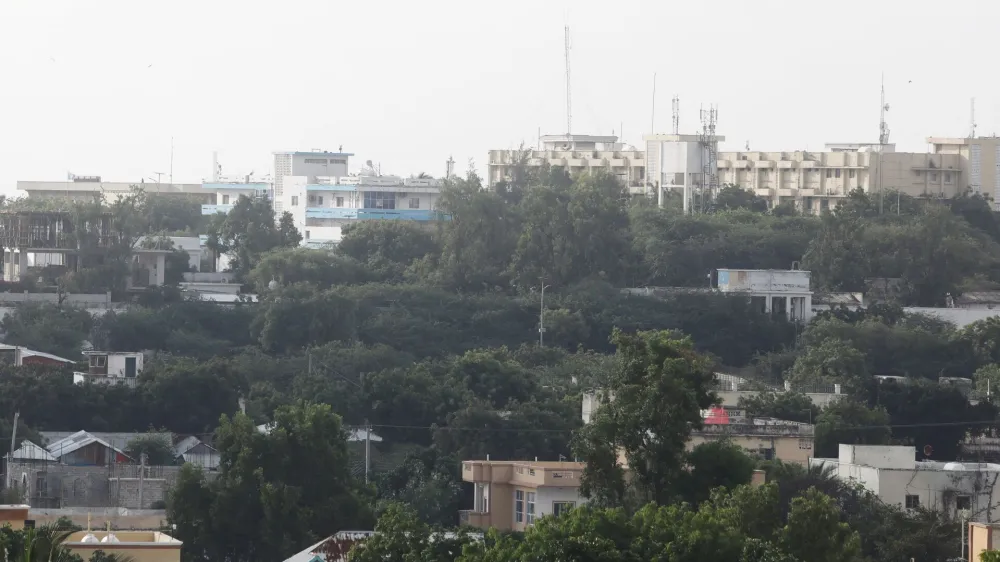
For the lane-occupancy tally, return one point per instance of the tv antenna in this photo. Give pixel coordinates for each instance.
(675, 107)
(972, 120)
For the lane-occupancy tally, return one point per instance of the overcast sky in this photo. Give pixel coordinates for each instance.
(98, 87)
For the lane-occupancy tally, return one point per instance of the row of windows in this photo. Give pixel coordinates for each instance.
(370, 203)
(912, 501)
(524, 507)
(324, 161)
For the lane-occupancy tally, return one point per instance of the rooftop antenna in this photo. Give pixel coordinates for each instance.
(710, 147)
(883, 139)
(449, 168)
(675, 106)
(652, 111)
(972, 120)
(569, 96)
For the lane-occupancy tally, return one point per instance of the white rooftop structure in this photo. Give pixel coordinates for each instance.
(893, 473)
(77, 441)
(776, 291)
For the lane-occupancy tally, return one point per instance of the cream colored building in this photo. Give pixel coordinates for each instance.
(141, 546)
(512, 495)
(979, 159)
(578, 154)
(820, 180)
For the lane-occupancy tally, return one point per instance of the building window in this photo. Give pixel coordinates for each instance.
(414, 202)
(851, 173)
(380, 200)
(295, 200)
(947, 177)
(340, 201)
(531, 508)
(98, 360)
(518, 506)
(312, 198)
(934, 176)
(558, 508)
(315, 160)
(912, 501)
(225, 199)
(307, 235)
(41, 486)
(319, 199)
(963, 503)
(829, 173)
(766, 454)
(837, 172)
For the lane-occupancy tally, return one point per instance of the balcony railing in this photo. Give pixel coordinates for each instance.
(773, 430)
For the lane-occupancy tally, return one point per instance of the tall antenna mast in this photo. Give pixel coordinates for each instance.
(972, 120)
(652, 111)
(675, 106)
(710, 147)
(883, 139)
(569, 97)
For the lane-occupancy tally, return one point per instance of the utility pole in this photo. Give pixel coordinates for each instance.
(142, 476)
(368, 448)
(541, 316)
(13, 438)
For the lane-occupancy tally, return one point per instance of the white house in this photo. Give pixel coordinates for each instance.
(322, 206)
(110, 367)
(777, 291)
(894, 474)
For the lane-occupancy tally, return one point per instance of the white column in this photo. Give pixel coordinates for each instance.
(22, 265)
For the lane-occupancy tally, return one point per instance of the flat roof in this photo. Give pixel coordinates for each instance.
(68, 185)
(311, 153)
(558, 465)
(679, 138)
(579, 138)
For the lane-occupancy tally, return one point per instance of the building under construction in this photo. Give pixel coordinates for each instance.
(50, 232)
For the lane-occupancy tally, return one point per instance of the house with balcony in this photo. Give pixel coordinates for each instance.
(110, 367)
(225, 192)
(322, 206)
(512, 495)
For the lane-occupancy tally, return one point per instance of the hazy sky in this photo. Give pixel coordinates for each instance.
(98, 87)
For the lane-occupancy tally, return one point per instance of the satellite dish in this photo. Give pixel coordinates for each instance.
(928, 450)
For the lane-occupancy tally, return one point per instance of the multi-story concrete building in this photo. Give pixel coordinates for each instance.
(312, 164)
(771, 290)
(979, 160)
(577, 154)
(894, 474)
(512, 495)
(815, 181)
(222, 194)
(321, 206)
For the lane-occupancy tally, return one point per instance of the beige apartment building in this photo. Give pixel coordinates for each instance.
(577, 154)
(979, 158)
(511, 495)
(816, 181)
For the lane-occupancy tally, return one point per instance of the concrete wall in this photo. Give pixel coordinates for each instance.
(94, 486)
(960, 317)
(785, 447)
(120, 518)
(878, 456)
(547, 495)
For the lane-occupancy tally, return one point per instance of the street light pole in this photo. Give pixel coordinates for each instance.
(541, 317)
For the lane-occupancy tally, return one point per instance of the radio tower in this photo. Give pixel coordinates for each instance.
(569, 97)
(883, 139)
(972, 120)
(675, 105)
(710, 147)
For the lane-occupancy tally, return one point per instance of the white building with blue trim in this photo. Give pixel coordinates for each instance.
(322, 206)
(224, 194)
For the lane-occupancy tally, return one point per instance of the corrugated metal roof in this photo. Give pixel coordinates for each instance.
(77, 441)
(32, 452)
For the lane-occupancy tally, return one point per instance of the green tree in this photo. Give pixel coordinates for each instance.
(714, 464)
(41, 544)
(400, 535)
(387, 248)
(831, 362)
(299, 316)
(731, 197)
(850, 422)
(319, 268)
(814, 531)
(249, 231)
(155, 445)
(281, 490)
(47, 327)
(660, 387)
(791, 406)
